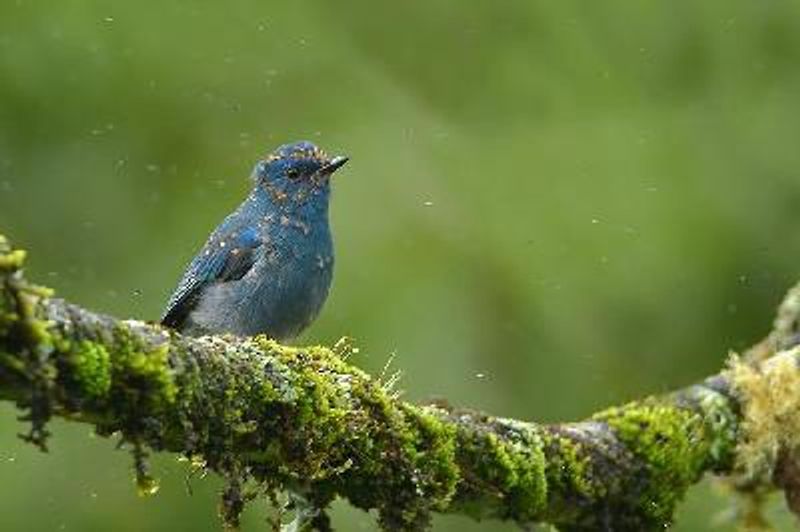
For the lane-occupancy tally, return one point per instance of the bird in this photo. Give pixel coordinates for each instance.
(267, 268)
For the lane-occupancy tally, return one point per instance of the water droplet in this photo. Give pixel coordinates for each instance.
(147, 486)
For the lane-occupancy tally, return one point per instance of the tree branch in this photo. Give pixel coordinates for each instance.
(269, 417)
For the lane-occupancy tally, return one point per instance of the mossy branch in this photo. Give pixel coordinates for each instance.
(270, 418)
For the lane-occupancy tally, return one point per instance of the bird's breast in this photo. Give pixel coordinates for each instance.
(292, 279)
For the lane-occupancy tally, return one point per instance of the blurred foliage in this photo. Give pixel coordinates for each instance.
(551, 206)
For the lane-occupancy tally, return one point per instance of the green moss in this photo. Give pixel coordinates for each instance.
(431, 446)
(673, 447)
(723, 425)
(11, 362)
(568, 469)
(145, 368)
(577, 466)
(412, 467)
(514, 465)
(33, 330)
(11, 260)
(24, 331)
(8, 312)
(91, 368)
(402, 459)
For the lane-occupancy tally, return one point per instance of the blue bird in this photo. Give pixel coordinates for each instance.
(267, 268)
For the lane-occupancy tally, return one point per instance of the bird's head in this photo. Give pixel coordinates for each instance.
(297, 171)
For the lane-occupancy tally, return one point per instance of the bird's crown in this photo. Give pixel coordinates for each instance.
(298, 150)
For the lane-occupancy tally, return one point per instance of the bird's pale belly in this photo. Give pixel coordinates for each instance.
(277, 303)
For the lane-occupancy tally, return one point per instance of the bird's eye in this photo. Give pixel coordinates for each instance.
(292, 173)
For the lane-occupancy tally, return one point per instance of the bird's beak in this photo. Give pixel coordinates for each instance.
(333, 165)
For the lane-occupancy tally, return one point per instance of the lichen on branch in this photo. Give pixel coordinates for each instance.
(272, 418)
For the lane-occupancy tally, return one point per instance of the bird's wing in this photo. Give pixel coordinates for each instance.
(227, 256)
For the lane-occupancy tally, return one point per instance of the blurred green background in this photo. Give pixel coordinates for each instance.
(551, 207)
